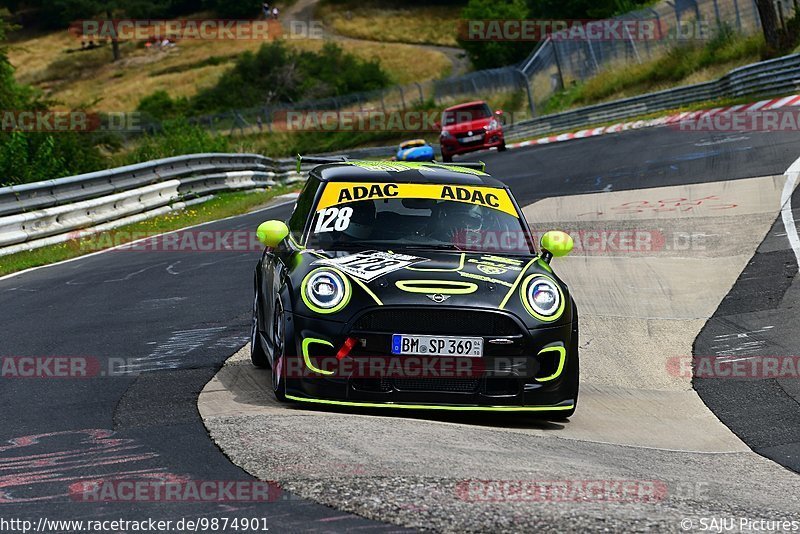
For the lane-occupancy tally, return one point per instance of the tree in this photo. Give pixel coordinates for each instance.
(769, 23)
(487, 54)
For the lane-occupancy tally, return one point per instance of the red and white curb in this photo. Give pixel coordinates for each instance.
(687, 116)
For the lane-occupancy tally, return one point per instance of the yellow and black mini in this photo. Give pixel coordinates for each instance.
(416, 286)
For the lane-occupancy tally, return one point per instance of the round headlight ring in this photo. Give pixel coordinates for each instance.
(538, 291)
(322, 283)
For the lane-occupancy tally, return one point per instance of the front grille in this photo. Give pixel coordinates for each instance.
(447, 385)
(444, 322)
(372, 385)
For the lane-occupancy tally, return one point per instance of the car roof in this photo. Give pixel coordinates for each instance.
(467, 105)
(403, 172)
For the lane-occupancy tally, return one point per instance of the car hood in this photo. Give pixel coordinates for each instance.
(473, 125)
(428, 278)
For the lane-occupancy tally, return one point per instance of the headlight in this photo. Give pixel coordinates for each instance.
(542, 298)
(445, 134)
(493, 125)
(326, 291)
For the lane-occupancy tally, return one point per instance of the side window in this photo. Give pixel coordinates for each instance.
(305, 202)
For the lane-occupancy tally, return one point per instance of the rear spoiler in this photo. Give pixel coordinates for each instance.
(319, 160)
(477, 165)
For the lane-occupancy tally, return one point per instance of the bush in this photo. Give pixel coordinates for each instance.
(177, 137)
(275, 73)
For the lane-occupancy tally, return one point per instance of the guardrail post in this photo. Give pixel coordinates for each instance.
(738, 15)
(528, 91)
(421, 96)
(558, 66)
(402, 97)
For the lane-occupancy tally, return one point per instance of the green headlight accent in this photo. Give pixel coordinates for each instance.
(422, 269)
(436, 286)
(516, 283)
(562, 354)
(523, 294)
(557, 243)
(308, 341)
(559, 407)
(271, 233)
(348, 292)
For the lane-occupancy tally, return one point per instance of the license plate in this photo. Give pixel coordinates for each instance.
(471, 138)
(437, 346)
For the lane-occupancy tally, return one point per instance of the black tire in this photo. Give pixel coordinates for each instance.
(447, 158)
(258, 355)
(279, 354)
(502, 147)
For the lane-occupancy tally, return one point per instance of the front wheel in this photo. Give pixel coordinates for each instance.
(447, 158)
(257, 354)
(279, 354)
(502, 147)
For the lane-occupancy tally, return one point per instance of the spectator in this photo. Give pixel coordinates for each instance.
(259, 123)
(275, 13)
(265, 9)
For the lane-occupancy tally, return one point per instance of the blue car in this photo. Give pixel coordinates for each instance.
(415, 150)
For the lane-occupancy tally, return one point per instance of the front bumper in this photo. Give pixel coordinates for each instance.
(453, 146)
(533, 370)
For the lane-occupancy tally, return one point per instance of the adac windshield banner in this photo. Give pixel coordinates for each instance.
(337, 193)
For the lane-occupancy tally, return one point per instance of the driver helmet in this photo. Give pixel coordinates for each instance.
(362, 221)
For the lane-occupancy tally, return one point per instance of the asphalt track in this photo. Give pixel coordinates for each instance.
(177, 316)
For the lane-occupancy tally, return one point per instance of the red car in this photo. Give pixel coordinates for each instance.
(470, 127)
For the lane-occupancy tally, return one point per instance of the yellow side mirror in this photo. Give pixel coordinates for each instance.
(556, 243)
(272, 233)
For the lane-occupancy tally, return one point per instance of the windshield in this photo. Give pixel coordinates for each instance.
(416, 217)
(466, 114)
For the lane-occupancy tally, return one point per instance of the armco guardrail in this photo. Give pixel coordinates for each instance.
(42, 213)
(772, 77)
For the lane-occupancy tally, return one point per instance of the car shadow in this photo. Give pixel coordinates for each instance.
(251, 388)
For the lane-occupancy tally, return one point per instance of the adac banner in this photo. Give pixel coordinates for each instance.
(337, 193)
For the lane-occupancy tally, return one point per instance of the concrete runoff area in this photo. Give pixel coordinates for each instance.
(638, 418)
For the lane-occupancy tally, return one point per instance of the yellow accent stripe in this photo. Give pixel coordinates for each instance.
(437, 286)
(308, 341)
(562, 353)
(516, 283)
(434, 407)
(421, 269)
(367, 290)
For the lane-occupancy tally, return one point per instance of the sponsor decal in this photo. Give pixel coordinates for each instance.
(370, 265)
(339, 193)
(485, 279)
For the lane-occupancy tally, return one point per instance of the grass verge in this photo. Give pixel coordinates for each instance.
(682, 65)
(376, 20)
(223, 205)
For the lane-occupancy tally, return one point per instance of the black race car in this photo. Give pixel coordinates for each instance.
(413, 285)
